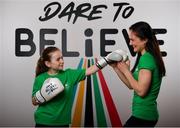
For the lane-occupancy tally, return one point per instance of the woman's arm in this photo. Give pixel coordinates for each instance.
(141, 86)
(120, 74)
(122, 77)
(94, 69)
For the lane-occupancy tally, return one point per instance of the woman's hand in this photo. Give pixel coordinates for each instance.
(124, 66)
(113, 65)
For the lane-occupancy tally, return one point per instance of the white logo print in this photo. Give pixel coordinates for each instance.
(136, 69)
(50, 88)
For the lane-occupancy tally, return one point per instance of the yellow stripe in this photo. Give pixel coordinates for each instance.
(79, 103)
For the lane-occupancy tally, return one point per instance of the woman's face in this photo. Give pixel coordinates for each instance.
(56, 61)
(137, 43)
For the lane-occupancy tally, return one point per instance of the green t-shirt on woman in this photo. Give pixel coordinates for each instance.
(146, 107)
(57, 111)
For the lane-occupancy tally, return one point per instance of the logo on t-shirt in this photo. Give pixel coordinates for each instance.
(136, 69)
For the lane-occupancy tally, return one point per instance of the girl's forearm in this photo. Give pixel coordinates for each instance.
(92, 70)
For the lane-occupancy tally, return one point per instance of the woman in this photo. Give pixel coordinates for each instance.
(146, 76)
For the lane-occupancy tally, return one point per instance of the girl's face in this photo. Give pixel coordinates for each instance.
(137, 43)
(56, 61)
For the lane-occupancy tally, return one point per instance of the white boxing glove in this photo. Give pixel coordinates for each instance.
(50, 88)
(115, 56)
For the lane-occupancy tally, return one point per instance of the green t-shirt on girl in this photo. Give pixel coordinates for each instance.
(57, 111)
(146, 107)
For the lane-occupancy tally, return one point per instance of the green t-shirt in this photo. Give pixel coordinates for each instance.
(57, 111)
(146, 107)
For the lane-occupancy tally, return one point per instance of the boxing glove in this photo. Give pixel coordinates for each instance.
(115, 56)
(50, 88)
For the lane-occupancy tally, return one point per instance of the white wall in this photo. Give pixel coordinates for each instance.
(17, 73)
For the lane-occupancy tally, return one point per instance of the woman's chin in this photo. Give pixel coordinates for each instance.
(135, 50)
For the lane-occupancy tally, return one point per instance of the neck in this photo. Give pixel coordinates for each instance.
(143, 51)
(52, 72)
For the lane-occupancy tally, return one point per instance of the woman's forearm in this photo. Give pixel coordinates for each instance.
(122, 77)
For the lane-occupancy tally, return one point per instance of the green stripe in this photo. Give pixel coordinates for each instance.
(101, 119)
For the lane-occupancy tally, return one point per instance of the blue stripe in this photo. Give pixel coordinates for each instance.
(75, 86)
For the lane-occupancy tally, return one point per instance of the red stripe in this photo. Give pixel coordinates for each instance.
(113, 114)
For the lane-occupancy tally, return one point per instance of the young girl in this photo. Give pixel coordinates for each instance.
(146, 76)
(57, 111)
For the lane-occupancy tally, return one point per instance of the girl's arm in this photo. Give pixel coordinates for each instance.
(92, 70)
(34, 102)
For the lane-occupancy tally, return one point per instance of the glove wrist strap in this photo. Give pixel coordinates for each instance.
(101, 63)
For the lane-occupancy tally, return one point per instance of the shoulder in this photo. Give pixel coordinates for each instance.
(147, 61)
(41, 76)
(147, 57)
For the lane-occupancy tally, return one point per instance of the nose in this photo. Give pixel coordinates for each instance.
(61, 61)
(130, 43)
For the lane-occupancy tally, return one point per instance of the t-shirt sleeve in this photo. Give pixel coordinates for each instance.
(76, 75)
(36, 86)
(147, 62)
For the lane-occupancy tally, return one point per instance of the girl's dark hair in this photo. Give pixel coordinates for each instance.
(45, 56)
(144, 31)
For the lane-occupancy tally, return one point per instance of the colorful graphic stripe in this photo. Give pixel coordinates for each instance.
(76, 121)
(101, 119)
(88, 122)
(92, 93)
(113, 114)
(75, 86)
